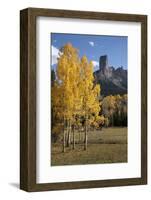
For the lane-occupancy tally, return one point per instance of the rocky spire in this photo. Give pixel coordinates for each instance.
(104, 67)
(112, 80)
(103, 63)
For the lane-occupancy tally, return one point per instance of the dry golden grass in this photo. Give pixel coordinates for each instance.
(106, 146)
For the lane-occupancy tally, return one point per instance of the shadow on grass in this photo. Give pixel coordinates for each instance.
(80, 146)
(101, 141)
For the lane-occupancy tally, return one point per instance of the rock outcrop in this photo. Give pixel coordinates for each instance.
(113, 81)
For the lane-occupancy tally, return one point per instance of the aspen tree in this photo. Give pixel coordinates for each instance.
(90, 94)
(108, 106)
(66, 75)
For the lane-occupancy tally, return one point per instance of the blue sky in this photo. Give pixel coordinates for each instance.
(93, 46)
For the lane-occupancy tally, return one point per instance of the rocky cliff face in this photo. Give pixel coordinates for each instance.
(113, 81)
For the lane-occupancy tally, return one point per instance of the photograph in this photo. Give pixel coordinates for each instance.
(83, 99)
(89, 94)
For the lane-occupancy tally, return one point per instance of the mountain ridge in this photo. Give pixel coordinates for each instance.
(112, 81)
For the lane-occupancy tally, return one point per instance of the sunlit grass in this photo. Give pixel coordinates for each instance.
(106, 146)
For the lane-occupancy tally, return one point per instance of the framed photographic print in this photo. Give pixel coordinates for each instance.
(83, 99)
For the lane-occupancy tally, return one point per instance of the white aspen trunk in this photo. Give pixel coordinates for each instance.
(64, 136)
(69, 133)
(73, 137)
(86, 136)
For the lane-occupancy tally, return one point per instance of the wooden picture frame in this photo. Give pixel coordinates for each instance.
(28, 98)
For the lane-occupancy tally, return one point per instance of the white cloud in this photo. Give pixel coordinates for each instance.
(55, 54)
(91, 43)
(95, 64)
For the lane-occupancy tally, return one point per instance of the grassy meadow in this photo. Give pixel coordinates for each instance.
(108, 145)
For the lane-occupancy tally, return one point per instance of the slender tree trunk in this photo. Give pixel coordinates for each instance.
(73, 137)
(68, 139)
(69, 134)
(64, 141)
(79, 136)
(64, 136)
(86, 136)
